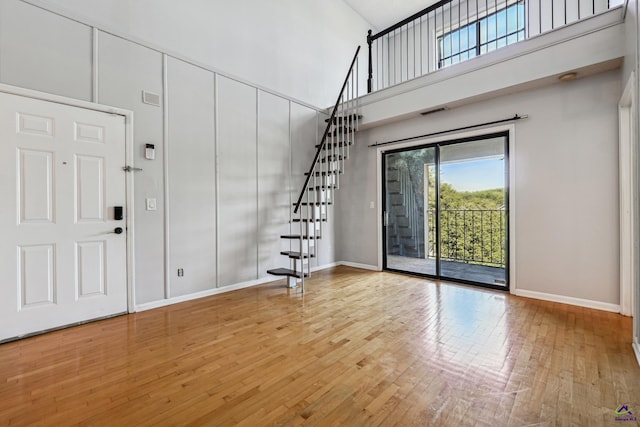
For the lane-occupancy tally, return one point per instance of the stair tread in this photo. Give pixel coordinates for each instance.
(338, 144)
(340, 119)
(294, 254)
(309, 220)
(314, 203)
(342, 130)
(286, 272)
(297, 236)
(323, 187)
(333, 158)
(325, 173)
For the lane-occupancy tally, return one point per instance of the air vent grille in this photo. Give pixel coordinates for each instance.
(150, 98)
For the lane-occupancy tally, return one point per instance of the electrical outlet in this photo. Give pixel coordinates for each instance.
(180, 272)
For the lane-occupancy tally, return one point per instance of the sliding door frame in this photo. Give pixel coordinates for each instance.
(507, 131)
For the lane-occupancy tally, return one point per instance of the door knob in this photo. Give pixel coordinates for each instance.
(118, 230)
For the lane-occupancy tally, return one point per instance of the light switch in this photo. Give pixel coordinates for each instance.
(151, 204)
(372, 205)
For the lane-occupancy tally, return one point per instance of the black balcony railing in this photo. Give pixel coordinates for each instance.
(476, 236)
(453, 31)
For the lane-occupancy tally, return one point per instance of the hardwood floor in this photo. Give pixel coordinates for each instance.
(359, 348)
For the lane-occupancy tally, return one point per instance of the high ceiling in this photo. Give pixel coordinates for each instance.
(384, 13)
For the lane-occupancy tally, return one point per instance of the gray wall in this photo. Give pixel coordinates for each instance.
(566, 185)
(229, 156)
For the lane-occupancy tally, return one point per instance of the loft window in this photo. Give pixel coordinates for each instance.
(495, 30)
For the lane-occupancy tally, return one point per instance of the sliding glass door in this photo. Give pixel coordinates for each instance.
(407, 201)
(446, 210)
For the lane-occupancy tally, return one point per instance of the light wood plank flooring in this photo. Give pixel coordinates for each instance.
(358, 349)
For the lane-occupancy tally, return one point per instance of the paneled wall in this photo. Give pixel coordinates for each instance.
(274, 171)
(191, 172)
(43, 51)
(124, 70)
(297, 48)
(229, 157)
(238, 191)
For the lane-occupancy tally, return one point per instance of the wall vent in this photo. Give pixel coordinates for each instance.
(150, 98)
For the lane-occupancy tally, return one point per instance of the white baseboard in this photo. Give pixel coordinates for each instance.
(324, 267)
(598, 305)
(216, 291)
(207, 293)
(358, 265)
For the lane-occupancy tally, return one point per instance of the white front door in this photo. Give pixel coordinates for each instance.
(61, 260)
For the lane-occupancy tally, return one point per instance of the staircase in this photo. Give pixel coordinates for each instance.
(405, 216)
(310, 212)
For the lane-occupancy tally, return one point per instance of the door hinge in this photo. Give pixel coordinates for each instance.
(131, 169)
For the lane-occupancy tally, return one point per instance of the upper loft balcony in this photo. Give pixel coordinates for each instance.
(460, 51)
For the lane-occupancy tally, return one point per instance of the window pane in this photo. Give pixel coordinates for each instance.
(464, 38)
(491, 28)
(483, 30)
(493, 31)
(513, 20)
(501, 17)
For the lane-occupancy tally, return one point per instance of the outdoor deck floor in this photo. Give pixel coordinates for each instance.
(453, 270)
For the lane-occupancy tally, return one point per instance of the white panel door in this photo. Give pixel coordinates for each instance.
(60, 178)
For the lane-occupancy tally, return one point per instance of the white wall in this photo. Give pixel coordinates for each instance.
(191, 172)
(298, 48)
(631, 64)
(124, 71)
(44, 51)
(237, 156)
(229, 155)
(566, 185)
(274, 171)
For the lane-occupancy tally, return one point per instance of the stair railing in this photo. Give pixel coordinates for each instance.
(326, 172)
(338, 106)
(452, 31)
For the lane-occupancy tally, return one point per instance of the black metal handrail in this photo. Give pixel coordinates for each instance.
(323, 141)
(452, 31)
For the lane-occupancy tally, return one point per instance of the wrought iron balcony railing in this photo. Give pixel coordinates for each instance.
(476, 236)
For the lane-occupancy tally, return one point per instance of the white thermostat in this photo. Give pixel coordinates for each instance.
(149, 151)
